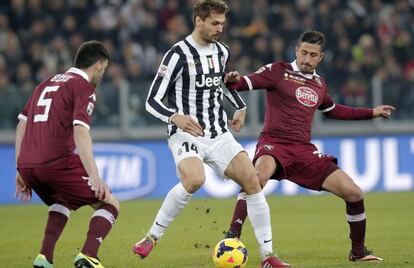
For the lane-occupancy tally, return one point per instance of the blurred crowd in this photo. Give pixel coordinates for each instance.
(369, 46)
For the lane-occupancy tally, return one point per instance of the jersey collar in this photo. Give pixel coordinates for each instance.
(78, 72)
(297, 70)
(192, 42)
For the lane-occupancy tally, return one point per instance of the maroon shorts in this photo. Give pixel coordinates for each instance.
(63, 184)
(300, 163)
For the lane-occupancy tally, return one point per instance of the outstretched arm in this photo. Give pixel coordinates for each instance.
(383, 111)
(344, 112)
(264, 78)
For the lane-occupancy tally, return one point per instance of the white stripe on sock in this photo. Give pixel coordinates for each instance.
(106, 214)
(60, 209)
(355, 218)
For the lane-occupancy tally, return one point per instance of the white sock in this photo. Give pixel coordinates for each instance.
(176, 199)
(259, 215)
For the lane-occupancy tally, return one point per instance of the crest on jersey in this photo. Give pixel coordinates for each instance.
(162, 70)
(90, 108)
(191, 64)
(306, 96)
(268, 147)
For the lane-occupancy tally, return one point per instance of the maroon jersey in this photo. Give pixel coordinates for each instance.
(292, 99)
(56, 104)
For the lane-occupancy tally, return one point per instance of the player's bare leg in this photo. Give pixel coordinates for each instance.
(192, 178)
(242, 171)
(265, 167)
(343, 186)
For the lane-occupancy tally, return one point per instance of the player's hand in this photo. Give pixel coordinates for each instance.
(383, 111)
(238, 120)
(232, 77)
(23, 192)
(187, 124)
(102, 191)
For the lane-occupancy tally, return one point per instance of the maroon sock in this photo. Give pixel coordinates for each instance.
(357, 222)
(55, 224)
(99, 227)
(239, 216)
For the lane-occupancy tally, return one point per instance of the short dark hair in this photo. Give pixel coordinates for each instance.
(89, 53)
(203, 8)
(313, 37)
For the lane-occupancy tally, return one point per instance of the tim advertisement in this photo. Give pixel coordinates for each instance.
(146, 169)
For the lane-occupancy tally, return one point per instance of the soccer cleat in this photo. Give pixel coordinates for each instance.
(366, 256)
(144, 247)
(231, 234)
(83, 261)
(272, 261)
(41, 262)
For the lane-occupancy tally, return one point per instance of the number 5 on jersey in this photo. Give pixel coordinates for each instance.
(45, 102)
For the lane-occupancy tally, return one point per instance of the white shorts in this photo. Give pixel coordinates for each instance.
(217, 152)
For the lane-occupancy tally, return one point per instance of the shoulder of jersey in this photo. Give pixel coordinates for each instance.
(79, 82)
(283, 64)
(226, 46)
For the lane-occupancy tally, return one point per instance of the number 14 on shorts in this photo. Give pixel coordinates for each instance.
(187, 147)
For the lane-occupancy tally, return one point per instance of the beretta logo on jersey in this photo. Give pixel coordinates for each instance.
(129, 170)
(206, 81)
(306, 96)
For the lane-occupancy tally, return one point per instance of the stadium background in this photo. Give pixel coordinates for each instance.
(369, 61)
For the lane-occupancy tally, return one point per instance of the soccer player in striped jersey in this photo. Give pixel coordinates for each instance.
(294, 92)
(190, 76)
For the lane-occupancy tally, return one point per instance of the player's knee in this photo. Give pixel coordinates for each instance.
(192, 185)
(354, 194)
(251, 184)
(114, 202)
(263, 178)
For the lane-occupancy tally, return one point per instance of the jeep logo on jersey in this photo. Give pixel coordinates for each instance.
(205, 81)
(130, 171)
(306, 96)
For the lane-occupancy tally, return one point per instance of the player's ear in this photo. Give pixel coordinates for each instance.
(321, 56)
(197, 20)
(99, 65)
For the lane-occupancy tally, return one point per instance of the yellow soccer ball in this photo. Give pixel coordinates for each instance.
(230, 253)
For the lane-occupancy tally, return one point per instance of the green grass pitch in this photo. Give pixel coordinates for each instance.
(308, 231)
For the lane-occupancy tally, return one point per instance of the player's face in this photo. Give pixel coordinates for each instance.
(211, 28)
(100, 70)
(308, 57)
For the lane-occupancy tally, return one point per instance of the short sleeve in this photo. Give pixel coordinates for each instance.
(23, 113)
(84, 105)
(265, 77)
(327, 104)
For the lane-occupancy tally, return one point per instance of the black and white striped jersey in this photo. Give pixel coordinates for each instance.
(190, 77)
